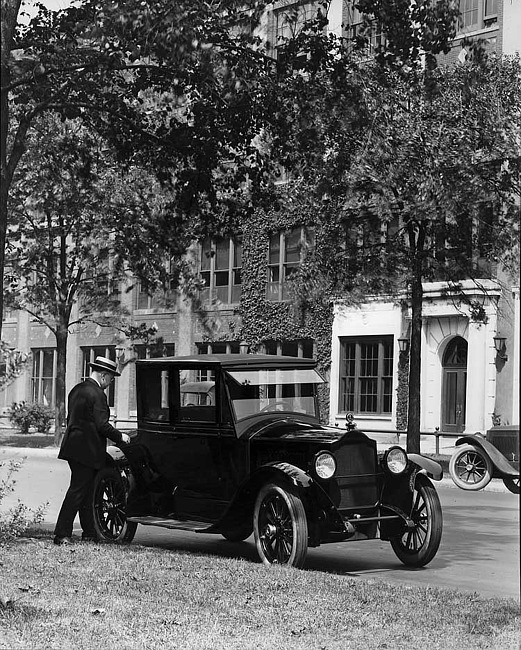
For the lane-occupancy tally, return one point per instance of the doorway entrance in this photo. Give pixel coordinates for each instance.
(454, 386)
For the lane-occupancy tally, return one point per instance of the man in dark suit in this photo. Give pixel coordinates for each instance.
(84, 446)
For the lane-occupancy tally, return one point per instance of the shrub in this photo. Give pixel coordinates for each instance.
(16, 521)
(25, 416)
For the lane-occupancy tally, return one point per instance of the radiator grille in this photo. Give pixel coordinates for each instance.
(356, 475)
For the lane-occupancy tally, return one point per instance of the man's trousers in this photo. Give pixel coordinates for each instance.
(78, 499)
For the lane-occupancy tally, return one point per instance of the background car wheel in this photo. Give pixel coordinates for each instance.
(512, 483)
(417, 546)
(470, 468)
(110, 497)
(238, 534)
(280, 526)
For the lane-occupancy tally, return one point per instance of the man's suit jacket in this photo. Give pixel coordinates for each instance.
(88, 427)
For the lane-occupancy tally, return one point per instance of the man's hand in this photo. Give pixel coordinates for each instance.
(125, 438)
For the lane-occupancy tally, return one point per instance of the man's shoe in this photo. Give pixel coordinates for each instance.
(63, 541)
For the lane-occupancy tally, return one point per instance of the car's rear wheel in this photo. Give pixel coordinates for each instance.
(110, 497)
(512, 483)
(420, 540)
(280, 526)
(470, 468)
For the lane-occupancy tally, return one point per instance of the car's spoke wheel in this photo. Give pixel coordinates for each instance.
(470, 468)
(110, 496)
(512, 483)
(420, 539)
(280, 526)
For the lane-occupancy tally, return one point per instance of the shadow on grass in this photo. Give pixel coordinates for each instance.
(11, 438)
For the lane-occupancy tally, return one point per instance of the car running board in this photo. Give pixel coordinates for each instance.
(177, 524)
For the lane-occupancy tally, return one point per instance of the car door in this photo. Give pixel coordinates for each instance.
(195, 458)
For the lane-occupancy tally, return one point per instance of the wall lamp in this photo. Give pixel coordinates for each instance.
(500, 345)
(403, 344)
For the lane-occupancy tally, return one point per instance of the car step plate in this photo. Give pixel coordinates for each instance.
(177, 524)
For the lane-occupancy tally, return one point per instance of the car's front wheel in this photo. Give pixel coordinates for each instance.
(280, 526)
(421, 537)
(470, 468)
(110, 496)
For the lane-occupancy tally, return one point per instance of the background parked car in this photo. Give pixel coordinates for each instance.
(479, 458)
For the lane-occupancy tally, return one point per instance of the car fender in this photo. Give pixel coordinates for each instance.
(243, 503)
(498, 460)
(431, 467)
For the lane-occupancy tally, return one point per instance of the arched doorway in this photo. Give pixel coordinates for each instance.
(454, 386)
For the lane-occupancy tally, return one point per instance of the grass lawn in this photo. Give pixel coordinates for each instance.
(88, 596)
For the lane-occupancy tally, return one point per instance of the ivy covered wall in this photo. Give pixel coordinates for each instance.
(258, 319)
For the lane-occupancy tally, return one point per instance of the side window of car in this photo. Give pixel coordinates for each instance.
(154, 404)
(196, 397)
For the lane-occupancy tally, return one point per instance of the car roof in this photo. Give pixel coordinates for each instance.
(230, 361)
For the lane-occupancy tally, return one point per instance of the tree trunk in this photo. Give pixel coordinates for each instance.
(62, 335)
(413, 411)
(10, 9)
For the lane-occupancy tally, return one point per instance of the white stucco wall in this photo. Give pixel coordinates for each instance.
(443, 319)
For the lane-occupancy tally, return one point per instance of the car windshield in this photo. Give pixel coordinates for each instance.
(262, 391)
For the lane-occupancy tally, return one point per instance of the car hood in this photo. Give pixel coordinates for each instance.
(288, 427)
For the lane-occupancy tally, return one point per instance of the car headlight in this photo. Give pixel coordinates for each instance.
(395, 460)
(325, 465)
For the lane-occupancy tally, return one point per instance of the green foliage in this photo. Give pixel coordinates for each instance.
(31, 416)
(15, 521)
(12, 363)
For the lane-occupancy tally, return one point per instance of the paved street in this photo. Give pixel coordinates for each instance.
(479, 550)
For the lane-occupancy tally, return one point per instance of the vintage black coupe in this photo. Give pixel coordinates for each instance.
(232, 445)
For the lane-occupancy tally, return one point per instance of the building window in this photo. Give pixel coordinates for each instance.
(220, 347)
(154, 350)
(43, 380)
(291, 18)
(161, 299)
(366, 382)
(286, 252)
(477, 14)
(364, 33)
(221, 264)
(89, 355)
(300, 348)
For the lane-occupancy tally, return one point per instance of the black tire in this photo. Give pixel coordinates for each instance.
(512, 483)
(280, 526)
(109, 503)
(470, 468)
(417, 545)
(238, 534)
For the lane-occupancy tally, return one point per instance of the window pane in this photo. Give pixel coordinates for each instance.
(490, 7)
(237, 254)
(206, 255)
(290, 348)
(274, 256)
(48, 358)
(292, 246)
(222, 254)
(221, 279)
